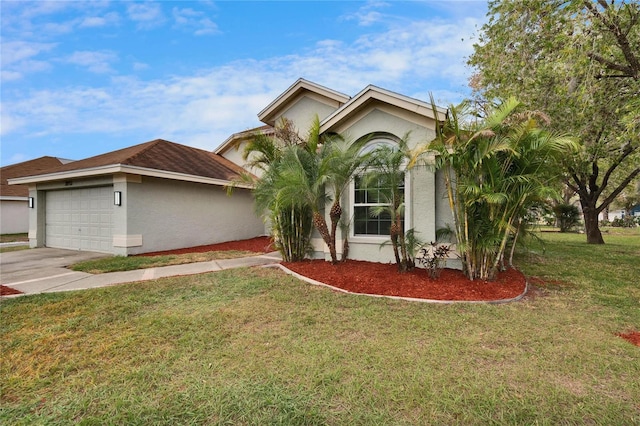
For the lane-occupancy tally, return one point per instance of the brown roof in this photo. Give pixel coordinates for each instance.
(26, 168)
(164, 156)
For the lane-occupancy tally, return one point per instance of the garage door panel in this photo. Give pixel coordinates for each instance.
(80, 219)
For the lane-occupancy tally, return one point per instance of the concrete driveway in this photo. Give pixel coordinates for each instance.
(42, 269)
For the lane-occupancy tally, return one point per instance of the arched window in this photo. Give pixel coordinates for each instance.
(368, 197)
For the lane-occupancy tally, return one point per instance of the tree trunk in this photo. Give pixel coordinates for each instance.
(591, 225)
(345, 249)
(321, 226)
(334, 214)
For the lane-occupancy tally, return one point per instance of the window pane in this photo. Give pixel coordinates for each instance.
(372, 227)
(364, 199)
(385, 227)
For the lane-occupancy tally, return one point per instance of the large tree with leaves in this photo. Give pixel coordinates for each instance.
(579, 61)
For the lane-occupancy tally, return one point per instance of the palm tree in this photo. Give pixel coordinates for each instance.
(299, 173)
(291, 222)
(317, 173)
(494, 171)
(340, 159)
(387, 174)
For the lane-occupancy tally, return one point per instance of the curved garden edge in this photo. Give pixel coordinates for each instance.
(409, 299)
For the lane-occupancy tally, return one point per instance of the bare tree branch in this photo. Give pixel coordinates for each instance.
(618, 190)
(613, 25)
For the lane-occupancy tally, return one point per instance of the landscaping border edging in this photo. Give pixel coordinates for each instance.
(408, 299)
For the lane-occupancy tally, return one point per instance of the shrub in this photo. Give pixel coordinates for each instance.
(568, 216)
(434, 258)
(625, 222)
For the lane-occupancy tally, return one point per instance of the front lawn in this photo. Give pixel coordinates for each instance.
(128, 263)
(254, 346)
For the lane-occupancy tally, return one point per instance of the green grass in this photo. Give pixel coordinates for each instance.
(13, 248)
(13, 238)
(253, 346)
(122, 263)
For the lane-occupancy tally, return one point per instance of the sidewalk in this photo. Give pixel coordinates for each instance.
(71, 280)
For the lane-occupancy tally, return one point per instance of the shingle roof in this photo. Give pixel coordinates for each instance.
(161, 155)
(26, 168)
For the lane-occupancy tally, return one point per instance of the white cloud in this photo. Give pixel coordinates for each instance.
(96, 62)
(10, 75)
(99, 21)
(147, 15)
(195, 21)
(9, 122)
(140, 66)
(16, 51)
(18, 59)
(367, 15)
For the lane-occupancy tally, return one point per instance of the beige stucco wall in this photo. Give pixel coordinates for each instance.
(235, 154)
(161, 214)
(421, 207)
(383, 118)
(14, 216)
(302, 112)
(166, 214)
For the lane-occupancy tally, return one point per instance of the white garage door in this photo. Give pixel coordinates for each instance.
(80, 219)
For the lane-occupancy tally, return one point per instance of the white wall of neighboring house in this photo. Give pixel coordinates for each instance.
(613, 214)
(14, 215)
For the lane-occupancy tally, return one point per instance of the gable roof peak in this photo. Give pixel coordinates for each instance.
(269, 114)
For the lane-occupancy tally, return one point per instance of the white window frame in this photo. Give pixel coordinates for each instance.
(369, 238)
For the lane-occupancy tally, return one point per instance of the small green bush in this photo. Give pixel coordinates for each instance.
(568, 216)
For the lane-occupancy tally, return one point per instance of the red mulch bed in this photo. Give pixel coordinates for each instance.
(384, 279)
(257, 245)
(633, 337)
(8, 291)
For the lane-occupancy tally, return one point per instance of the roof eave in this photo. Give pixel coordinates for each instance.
(123, 168)
(372, 92)
(236, 137)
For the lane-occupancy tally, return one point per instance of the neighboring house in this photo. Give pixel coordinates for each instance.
(160, 195)
(14, 199)
(383, 117)
(154, 196)
(613, 215)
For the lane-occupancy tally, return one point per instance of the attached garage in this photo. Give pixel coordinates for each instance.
(150, 197)
(80, 219)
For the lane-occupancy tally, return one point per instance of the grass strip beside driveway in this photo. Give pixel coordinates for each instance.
(129, 263)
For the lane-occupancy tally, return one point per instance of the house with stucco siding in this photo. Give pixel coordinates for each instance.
(381, 117)
(161, 195)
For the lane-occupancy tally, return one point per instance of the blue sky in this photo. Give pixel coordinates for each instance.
(85, 78)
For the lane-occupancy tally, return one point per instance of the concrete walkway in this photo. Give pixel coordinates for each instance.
(61, 279)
